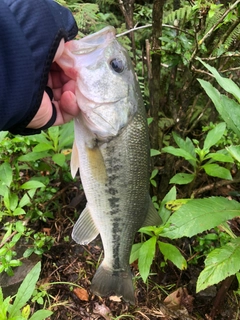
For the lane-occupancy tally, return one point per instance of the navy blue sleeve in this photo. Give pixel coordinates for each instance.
(30, 32)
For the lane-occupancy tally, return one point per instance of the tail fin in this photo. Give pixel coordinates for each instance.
(106, 282)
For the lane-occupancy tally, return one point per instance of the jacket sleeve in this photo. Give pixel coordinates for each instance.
(30, 32)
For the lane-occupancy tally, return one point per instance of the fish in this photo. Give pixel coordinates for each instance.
(111, 150)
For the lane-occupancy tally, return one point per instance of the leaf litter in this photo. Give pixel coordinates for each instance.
(168, 294)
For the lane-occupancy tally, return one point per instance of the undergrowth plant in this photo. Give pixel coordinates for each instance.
(191, 217)
(31, 171)
(17, 307)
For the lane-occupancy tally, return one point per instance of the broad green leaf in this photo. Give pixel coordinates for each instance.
(163, 212)
(235, 152)
(225, 83)
(220, 264)
(24, 200)
(66, 135)
(25, 290)
(146, 255)
(59, 159)
(33, 156)
(214, 170)
(6, 174)
(221, 157)
(135, 252)
(179, 153)
(154, 173)
(19, 211)
(182, 178)
(13, 201)
(32, 184)
(214, 135)
(19, 227)
(4, 304)
(186, 145)
(53, 133)
(198, 215)
(227, 108)
(3, 134)
(171, 253)
(154, 152)
(41, 315)
(42, 147)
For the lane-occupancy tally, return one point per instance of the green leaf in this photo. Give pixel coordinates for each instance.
(32, 184)
(25, 290)
(146, 255)
(42, 147)
(214, 135)
(227, 108)
(225, 83)
(235, 152)
(13, 201)
(220, 264)
(53, 133)
(171, 253)
(182, 178)
(6, 174)
(163, 212)
(33, 156)
(3, 134)
(186, 145)
(19, 212)
(59, 159)
(179, 153)
(41, 315)
(214, 170)
(20, 227)
(198, 215)
(24, 200)
(4, 304)
(154, 152)
(15, 263)
(221, 157)
(135, 252)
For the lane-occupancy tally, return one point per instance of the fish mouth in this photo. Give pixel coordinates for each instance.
(96, 40)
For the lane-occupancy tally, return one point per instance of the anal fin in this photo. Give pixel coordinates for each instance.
(84, 230)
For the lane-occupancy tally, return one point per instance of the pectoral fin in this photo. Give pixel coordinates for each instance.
(84, 230)
(153, 218)
(74, 160)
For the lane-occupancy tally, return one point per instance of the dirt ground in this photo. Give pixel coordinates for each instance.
(168, 294)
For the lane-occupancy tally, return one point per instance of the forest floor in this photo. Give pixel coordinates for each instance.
(168, 294)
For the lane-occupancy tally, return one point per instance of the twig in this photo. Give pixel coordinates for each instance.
(230, 55)
(149, 25)
(25, 222)
(212, 185)
(230, 69)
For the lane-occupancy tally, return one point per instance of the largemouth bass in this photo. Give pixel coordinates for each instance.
(112, 151)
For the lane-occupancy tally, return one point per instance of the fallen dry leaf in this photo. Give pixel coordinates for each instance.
(81, 293)
(179, 298)
(103, 311)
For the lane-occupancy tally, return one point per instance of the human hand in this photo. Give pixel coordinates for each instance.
(64, 99)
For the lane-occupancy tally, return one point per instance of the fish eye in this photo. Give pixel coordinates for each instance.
(117, 65)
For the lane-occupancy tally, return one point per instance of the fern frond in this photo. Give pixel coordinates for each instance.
(178, 14)
(233, 36)
(210, 22)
